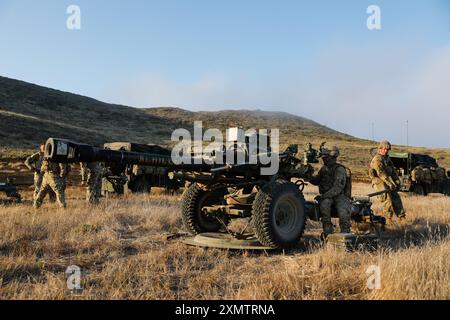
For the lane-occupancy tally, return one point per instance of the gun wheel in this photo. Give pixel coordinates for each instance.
(279, 215)
(142, 185)
(194, 220)
(419, 190)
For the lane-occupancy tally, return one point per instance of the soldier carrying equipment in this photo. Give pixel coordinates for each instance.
(54, 179)
(33, 163)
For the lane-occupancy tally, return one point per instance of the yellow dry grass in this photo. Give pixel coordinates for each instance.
(123, 253)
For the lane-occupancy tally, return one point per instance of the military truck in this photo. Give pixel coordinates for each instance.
(123, 178)
(420, 173)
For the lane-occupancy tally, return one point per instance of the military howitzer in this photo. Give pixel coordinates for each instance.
(11, 191)
(221, 190)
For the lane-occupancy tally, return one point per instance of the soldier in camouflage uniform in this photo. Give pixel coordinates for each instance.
(83, 171)
(54, 179)
(92, 174)
(384, 177)
(332, 180)
(34, 163)
(310, 154)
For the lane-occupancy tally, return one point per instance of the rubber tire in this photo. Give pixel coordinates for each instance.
(193, 199)
(142, 186)
(263, 215)
(447, 188)
(419, 190)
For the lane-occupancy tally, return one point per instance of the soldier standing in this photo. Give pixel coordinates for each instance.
(83, 172)
(310, 155)
(92, 174)
(384, 177)
(54, 179)
(334, 188)
(34, 163)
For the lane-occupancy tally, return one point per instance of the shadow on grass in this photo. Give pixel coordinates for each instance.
(418, 234)
(415, 235)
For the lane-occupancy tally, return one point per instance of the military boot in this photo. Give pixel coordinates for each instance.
(327, 230)
(36, 204)
(345, 226)
(402, 215)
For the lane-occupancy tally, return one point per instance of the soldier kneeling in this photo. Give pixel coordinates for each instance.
(335, 190)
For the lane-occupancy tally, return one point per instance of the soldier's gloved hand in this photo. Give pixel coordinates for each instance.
(318, 198)
(307, 172)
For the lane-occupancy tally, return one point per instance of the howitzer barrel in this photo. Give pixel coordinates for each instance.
(378, 193)
(66, 151)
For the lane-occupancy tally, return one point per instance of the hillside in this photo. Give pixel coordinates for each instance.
(33, 113)
(30, 114)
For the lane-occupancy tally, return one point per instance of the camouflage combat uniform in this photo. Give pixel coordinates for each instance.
(310, 154)
(332, 180)
(92, 173)
(83, 171)
(34, 163)
(54, 179)
(384, 177)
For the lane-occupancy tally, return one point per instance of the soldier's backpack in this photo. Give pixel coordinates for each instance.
(348, 181)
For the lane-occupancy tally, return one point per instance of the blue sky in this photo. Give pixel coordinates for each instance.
(312, 58)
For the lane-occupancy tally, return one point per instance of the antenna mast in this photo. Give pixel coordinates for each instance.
(407, 133)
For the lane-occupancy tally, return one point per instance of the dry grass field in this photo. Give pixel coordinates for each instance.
(124, 251)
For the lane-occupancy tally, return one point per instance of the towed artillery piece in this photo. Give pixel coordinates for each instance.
(220, 192)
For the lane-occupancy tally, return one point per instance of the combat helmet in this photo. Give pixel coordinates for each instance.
(333, 152)
(385, 145)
